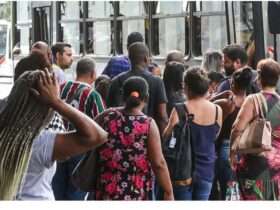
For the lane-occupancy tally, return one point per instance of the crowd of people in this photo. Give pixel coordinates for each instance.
(128, 112)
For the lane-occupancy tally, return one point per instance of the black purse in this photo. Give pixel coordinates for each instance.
(84, 176)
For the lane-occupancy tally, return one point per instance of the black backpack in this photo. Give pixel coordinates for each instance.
(179, 156)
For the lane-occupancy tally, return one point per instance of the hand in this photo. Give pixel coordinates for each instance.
(48, 89)
(168, 196)
(233, 160)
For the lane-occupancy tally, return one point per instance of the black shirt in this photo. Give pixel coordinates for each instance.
(157, 93)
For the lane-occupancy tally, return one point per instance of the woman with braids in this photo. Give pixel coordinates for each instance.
(47, 147)
(133, 150)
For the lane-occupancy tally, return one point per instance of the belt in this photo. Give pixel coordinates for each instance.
(184, 182)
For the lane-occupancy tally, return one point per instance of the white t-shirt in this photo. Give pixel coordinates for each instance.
(41, 169)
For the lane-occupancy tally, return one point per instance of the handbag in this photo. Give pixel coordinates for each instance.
(85, 174)
(256, 138)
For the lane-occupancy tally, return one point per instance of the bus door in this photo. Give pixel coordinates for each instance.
(42, 21)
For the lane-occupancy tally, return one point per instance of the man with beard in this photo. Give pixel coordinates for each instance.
(235, 57)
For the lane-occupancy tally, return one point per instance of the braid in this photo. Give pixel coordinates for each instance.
(21, 121)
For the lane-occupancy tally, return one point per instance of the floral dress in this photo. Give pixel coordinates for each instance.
(259, 176)
(124, 169)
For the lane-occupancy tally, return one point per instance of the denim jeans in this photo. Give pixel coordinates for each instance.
(180, 193)
(201, 189)
(223, 169)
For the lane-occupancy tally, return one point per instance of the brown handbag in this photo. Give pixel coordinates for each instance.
(85, 174)
(256, 138)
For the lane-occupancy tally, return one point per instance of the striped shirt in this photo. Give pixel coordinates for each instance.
(83, 97)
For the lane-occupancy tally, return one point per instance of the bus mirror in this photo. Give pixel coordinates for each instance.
(273, 12)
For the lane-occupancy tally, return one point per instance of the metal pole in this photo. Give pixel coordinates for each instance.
(227, 23)
(275, 46)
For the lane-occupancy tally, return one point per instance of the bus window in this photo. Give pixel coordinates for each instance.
(100, 29)
(243, 14)
(129, 9)
(210, 27)
(24, 26)
(172, 24)
(268, 37)
(3, 40)
(70, 23)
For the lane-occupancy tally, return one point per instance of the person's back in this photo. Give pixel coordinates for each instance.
(138, 54)
(204, 128)
(133, 150)
(83, 97)
(123, 161)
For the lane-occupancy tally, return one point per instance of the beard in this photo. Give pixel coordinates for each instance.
(229, 70)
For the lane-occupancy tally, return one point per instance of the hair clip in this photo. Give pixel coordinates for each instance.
(134, 94)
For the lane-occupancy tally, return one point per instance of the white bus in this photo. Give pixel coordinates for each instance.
(6, 69)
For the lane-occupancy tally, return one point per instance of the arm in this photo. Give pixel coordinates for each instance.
(161, 117)
(87, 135)
(245, 115)
(158, 163)
(173, 120)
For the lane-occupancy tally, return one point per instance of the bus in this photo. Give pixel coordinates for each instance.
(99, 28)
(6, 69)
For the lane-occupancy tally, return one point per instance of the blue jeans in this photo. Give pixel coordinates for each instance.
(62, 186)
(199, 190)
(180, 193)
(223, 169)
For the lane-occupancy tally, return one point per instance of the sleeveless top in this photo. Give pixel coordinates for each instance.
(125, 171)
(203, 140)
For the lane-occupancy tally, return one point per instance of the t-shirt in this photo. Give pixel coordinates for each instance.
(157, 94)
(41, 169)
(81, 96)
(59, 74)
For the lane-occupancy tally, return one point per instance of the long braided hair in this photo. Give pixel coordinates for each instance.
(21, 120)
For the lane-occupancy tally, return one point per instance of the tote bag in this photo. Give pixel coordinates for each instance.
(256, 137)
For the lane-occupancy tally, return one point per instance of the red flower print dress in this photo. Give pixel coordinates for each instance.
(124, 169)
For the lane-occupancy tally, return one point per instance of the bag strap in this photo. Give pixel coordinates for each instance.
(261, 104)
(181, 111)
(216, 115)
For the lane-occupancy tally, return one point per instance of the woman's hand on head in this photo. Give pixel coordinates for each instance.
(48, 88)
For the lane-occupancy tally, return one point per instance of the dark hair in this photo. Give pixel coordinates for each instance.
(235, 52)
(134, 37)
(215, 76)
(59, 47)
(196, 81)
(174, 55)
(173, 76)
(242, 78)
(137, 52)
(135, 84)
(269, 71)
(36, 60)
(102, 85)
(85, 65)
(102, 77)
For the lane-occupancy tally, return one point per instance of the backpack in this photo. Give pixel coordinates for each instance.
(178, 150)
